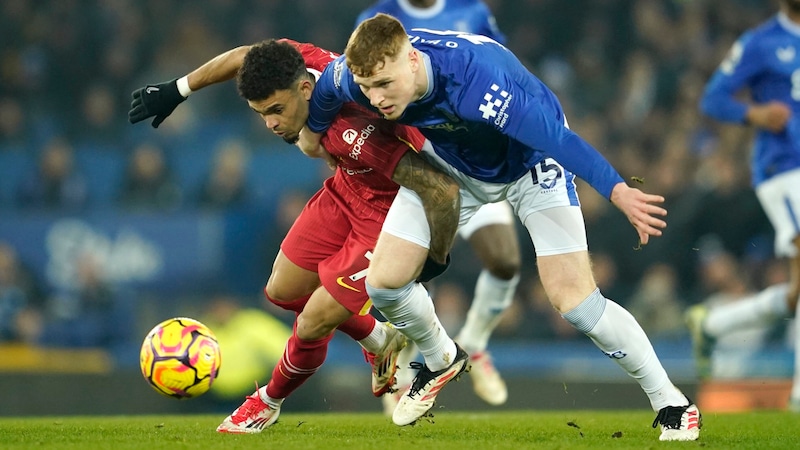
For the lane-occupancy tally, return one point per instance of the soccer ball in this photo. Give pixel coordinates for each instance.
(180, 358)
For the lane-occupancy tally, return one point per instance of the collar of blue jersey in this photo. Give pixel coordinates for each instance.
(426, 61)
(421, 13)
(787, 24)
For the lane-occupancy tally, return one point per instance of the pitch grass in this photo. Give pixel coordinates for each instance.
(447, 430)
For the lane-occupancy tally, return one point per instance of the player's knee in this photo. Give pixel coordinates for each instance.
(386, 280)
(311, 327)
(274, 293)
(388, 297)
(564, 300)
(289, 304)
(503, 267)
(567, 293)
(793, 295)
(791, 303)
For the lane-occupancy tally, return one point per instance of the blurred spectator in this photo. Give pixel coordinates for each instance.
(451, 304)
(290, 204)
(703, 219)
(99, 123)
(253, 342)
(12, 123)
(18, 299)
(94, 314)
(657, 305)
(606, 275)
(541, 321)
(611, 238)
(148, 185)
(226, 184)
(56, 185)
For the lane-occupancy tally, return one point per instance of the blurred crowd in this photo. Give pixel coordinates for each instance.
(628, 72)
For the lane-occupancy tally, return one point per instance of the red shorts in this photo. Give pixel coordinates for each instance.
(328, 240)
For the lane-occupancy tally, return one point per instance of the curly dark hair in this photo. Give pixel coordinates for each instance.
(269, 66)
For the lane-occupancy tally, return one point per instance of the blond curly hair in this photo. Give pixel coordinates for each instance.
(374, 41)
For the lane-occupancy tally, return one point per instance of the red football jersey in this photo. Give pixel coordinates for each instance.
(366, 147)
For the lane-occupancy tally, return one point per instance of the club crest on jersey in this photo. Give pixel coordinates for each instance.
(497, 101)
(785, 54)
(338, 67)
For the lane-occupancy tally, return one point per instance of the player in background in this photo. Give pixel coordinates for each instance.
(320, 276)
(766, 61)
(471, 16)
(491, 232)
(501, 133)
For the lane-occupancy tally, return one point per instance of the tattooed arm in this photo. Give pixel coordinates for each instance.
(440, 198)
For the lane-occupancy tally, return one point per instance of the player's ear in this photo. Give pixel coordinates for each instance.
(306, 88)
(413, 59)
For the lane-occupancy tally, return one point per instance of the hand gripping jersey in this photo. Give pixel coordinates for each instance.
(366, 148)
(336, 232)
(485, 113)
(766, 60)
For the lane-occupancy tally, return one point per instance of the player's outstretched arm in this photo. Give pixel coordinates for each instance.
(440, 198)
(159, 100)
(640, 210)
(222, 67)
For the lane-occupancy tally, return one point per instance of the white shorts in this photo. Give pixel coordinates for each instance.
(780, 198)
(545, 201)
(498, 213)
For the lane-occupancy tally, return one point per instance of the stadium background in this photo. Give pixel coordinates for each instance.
(629, 73)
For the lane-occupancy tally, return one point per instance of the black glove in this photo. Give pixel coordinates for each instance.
(432, 269)
(157, 100)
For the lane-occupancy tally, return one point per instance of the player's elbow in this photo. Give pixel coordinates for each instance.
(441, 195)
(710, 105)
(451, 191)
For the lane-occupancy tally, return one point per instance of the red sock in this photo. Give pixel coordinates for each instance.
(300, 360)
(358, 327)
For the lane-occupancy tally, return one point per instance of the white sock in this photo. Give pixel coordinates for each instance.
(616, 332)
(411, 311)
(492, 297)
(763, 308)
(274, 403)
(795, 395)
(376, 338)
(405, 375)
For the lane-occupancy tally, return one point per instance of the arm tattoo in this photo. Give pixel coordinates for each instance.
(440, 198)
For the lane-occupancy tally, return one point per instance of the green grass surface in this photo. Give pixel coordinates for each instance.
(447, 430)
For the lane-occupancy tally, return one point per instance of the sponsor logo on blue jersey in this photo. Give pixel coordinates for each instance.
(785, 54)
(497, 102)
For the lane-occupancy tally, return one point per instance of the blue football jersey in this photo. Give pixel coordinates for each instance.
(471, 16)
(766, 60)
(487, 115)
